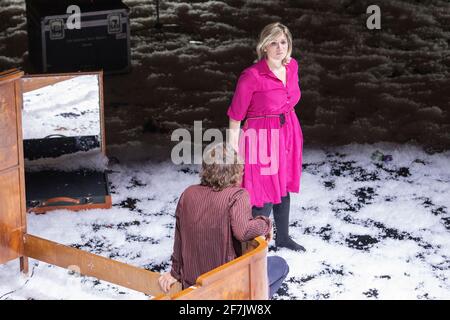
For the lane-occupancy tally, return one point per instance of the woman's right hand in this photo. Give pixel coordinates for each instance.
(234, 131)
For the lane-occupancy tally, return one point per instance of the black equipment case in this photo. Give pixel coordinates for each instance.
(79, 190)
(102, 42)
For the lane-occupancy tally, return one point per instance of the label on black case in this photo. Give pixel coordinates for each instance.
(56, 29)
(114, 23)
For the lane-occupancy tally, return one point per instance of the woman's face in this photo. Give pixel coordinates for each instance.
(277, 48)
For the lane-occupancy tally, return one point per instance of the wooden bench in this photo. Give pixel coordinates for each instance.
(244, 278)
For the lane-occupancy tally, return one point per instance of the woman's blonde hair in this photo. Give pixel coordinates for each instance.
(268, 34)
(221, 167)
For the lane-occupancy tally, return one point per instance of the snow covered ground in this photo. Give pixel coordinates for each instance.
(373, 229)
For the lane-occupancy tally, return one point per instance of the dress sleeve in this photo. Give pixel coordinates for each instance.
(243, 225)
(242, 96)
(294, 67)
(297, 90)
(177, 260)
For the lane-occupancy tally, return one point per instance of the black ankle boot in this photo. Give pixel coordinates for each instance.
(290, 244)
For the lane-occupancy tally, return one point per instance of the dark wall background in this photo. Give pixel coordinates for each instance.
(358, 85)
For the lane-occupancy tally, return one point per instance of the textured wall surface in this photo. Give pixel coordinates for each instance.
(358, 85)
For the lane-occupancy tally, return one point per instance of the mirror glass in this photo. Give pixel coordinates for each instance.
(61, 115)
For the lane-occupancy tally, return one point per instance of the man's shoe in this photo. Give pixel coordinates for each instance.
(290, 244)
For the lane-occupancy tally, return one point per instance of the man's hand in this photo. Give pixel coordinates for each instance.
(269, 236)
(165, 281)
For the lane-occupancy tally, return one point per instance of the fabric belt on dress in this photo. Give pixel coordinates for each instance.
(282, 116)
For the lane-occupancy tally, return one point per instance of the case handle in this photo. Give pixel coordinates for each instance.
(55, 136)
(60, 199)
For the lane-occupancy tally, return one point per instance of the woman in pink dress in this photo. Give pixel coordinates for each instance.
(271, 139)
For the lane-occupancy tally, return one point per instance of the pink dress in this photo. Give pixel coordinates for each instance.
(273, 164)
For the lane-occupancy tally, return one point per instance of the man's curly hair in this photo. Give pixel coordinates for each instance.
(221, 167)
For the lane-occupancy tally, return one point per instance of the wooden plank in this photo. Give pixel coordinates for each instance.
(31, 83)
(10, 243)
(23, 207)
(12, 190)
(234, 286)
(10, 216)
(95, 266)
(10, 75)
(24, 266)
(259, 287)
(9, 153)
(230, 267)
(102, 113)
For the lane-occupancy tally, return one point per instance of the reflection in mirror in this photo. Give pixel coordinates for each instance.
(61, 122)
(69, 108)
(61, 118)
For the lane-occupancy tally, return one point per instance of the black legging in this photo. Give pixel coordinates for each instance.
(280, 215)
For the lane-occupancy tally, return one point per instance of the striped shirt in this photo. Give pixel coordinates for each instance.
(209, 228)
